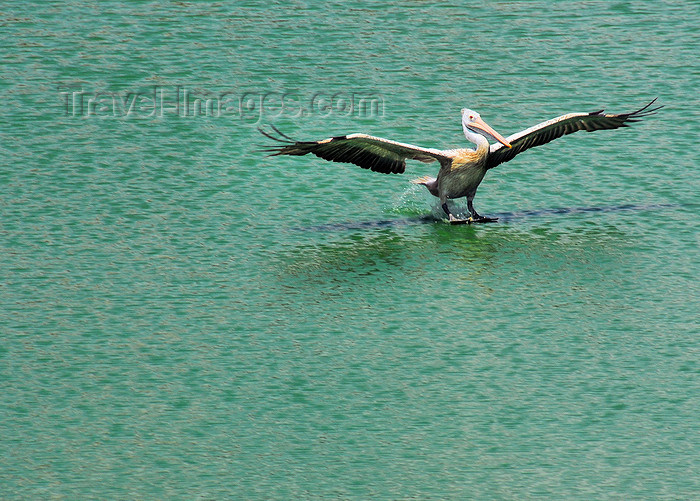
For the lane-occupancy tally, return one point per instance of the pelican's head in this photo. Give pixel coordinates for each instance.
(474, 126)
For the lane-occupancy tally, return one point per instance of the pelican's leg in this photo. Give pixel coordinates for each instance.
(476, 217)
(452, 218)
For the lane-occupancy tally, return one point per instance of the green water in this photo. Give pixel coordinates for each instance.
(184, 318)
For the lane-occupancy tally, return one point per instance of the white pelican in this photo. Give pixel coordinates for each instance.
(462, 169)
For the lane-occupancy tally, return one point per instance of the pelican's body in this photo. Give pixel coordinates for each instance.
(461, 170)
(463, 175)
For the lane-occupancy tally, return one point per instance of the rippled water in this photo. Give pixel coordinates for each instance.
(185, 318)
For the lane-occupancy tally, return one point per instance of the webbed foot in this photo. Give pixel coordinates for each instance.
(454, 220)
(482, 219)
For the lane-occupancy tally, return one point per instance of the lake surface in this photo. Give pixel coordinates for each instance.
(182, 317)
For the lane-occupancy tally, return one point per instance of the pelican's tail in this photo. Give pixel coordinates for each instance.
(423, 180)
(428, 182)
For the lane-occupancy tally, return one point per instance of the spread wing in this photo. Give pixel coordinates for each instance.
(369, 152)
(545, 132)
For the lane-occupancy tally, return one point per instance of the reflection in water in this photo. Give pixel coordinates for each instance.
(457, 278)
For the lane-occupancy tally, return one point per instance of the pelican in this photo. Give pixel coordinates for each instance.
(462, 169)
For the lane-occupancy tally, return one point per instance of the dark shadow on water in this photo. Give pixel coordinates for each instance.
(503, 217)
(526, 214)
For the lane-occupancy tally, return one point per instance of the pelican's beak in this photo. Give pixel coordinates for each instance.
(479, 124)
